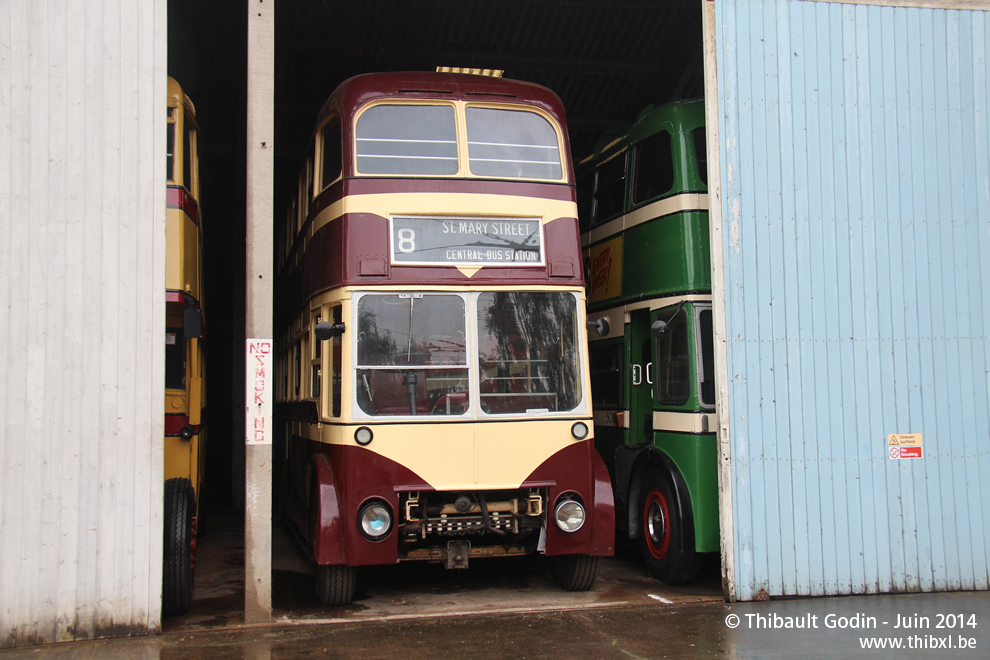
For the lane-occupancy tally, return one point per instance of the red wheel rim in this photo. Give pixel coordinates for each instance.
(656, 525)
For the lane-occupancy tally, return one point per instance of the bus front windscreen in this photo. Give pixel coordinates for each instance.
(412, 353)
(528, 352)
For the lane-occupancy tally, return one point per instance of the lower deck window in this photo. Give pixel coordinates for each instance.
(706, 336)
(606, 373)
(673, 386)
(412, 353)
(175, 359)
(527, 352)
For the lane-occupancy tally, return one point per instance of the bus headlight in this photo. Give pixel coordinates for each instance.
(569, 515)
(579, 430)
(375, 520)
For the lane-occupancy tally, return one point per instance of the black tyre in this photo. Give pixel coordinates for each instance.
(179, 547)
(574, 572)
(662, 533)
(335, 585)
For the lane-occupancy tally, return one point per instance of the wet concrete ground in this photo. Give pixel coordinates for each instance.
(511, 608)
(415, 589)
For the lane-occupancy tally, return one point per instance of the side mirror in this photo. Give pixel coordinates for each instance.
(325, 330)
(600, 326)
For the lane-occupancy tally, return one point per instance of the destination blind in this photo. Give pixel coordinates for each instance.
(435, 240)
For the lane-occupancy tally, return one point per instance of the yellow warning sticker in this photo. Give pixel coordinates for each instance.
(904, 440)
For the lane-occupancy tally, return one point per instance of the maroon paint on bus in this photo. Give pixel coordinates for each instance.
(353, 250)
(175, 422)
(177, 198)
(349, 476)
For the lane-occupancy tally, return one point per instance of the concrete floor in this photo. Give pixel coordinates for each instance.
(511, 608)
(413, 590)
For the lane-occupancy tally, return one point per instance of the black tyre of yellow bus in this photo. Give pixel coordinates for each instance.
(179, 544)
(574, 572)
(335, 585)
(661, 535)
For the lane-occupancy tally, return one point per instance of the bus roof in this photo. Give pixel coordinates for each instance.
(354, 92)
(177, 97)
(687, 115)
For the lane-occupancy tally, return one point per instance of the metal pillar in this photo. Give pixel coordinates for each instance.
(258, 311)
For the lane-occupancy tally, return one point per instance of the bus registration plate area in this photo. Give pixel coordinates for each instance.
(502, 515)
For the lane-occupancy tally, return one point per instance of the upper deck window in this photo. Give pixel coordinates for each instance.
(512, 144)
(610, 179)
(654, 168)
(701, 153)
(331, 153)
(170, 146)
(407, 139)
(190, 158)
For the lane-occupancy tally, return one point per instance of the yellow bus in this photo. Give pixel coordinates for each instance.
(185, 432)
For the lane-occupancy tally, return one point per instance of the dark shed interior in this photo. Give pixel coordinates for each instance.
(606, 61)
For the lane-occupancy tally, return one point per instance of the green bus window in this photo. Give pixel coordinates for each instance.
(585, 194)
(673, 360)
(610, 180)
(407, 139)
(706, 330)
(606, 375)
(654, 168)
(512, 144)
(701, 153)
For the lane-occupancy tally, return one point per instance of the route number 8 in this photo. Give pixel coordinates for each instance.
(407, 240)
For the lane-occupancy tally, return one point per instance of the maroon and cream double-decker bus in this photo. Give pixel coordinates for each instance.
(432, 387)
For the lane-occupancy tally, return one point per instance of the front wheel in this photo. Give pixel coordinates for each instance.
(335, 585)
(662, 534)
(179, 547)
(574, 572)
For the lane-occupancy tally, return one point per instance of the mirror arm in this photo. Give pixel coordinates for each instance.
(325, 330)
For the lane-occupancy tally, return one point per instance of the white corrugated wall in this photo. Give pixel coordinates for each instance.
(82, 222)
(854, 234)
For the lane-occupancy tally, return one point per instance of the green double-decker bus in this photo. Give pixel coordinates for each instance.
(644, 224)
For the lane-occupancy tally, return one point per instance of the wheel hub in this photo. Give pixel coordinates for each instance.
(657, 524)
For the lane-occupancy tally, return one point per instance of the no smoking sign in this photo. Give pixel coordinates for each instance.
(904, 445)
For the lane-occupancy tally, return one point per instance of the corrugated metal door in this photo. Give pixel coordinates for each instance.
(82, 221)
(855, 240)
